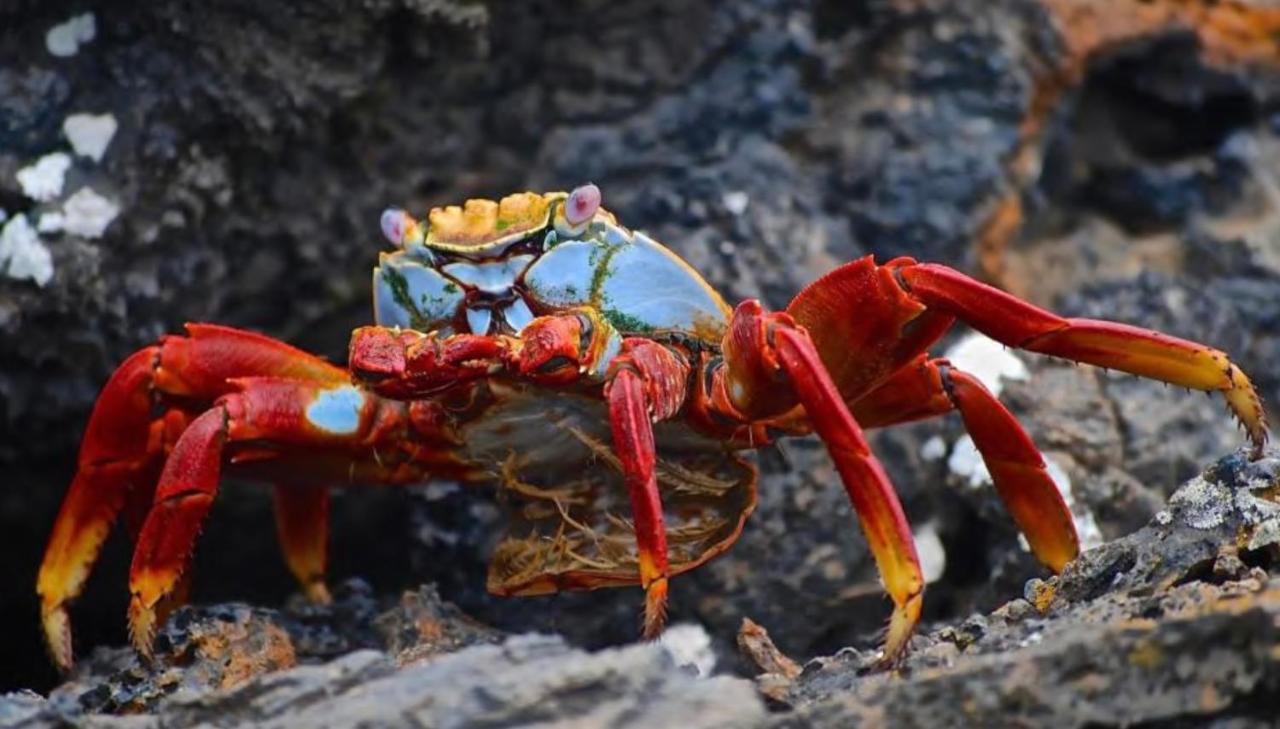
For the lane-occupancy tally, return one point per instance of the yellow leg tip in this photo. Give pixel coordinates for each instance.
(57, 635)
(318, 592)
(142, 627)
(655, 608)
(901, 626)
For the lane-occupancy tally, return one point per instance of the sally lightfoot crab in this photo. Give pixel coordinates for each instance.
(594, 377)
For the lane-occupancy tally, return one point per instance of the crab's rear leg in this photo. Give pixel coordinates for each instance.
(122, 448)
(125, 443)
(1143, 352)
(927, 388)
(771, 361)
(289, 416)
(302, 524)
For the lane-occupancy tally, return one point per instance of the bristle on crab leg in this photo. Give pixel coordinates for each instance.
(183, 497)
(1131, 349)
(865, 481)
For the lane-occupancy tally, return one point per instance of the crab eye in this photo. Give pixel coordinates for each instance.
(582, 204)
(394, 223)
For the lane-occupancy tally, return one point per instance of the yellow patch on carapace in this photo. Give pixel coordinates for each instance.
(481, 225)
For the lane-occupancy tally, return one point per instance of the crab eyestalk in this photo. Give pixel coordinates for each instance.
(578, 210)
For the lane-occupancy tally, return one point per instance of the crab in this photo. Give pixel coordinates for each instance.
(599, 383)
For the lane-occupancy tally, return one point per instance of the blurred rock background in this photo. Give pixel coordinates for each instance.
(1110, 159)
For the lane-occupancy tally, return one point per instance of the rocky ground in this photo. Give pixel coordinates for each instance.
(1108, 159)
(1175, 623)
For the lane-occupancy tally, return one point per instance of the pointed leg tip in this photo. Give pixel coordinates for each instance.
(142, 627)
(57, 634)
(1056, 551)
(655, 608)
(318, 593)
(902, 624)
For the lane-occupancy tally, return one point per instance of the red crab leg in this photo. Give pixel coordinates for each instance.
(182, 500)
(633, 441)
(927, 388)
(120, 444)
(124, 444)
(864, 480)
(781, 346)
(647, 383)
(1107, 344)
(302, 522)
(275, 411)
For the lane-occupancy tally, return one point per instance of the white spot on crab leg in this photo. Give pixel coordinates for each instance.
(518, 315)
(478, 320)
(43, 180)
(337, 411)
(90, 134)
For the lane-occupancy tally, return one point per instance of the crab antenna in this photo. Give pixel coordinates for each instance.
(582, 204)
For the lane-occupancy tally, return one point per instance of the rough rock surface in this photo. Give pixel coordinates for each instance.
(1110, 159)
(1176, 621)
(1168, 624)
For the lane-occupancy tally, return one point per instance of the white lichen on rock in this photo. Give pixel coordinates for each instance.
(1201, 503)
(967, 463)
(689, 644)
(51, 222)
(90, 134)
(22, 254)
(88, 214)
(64, 39)
(1206, 504)
(931, 552)
(736, 201)
(933, 449)
(1087, 530)
(43, 179)
(987, 360)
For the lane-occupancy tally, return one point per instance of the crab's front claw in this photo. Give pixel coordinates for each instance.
(404, 364)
